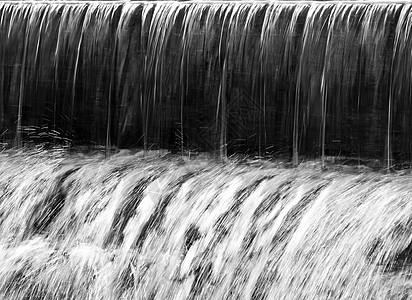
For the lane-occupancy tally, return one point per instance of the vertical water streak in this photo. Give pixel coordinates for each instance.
(111, 93)
(121, 89)
(211, 50)
(394, 10)
(291, 29)
(161, 26)
(38, 41)
(26, 15)
(129, 84)
(309, 87)
(325, 75)
(56, 60)
(143, 96)
(402, 81)
(247, 62)
(274, 61)
(29, 80)
(225, 41)
(70, 40)
(263, 57)
(373, 68)
(86, 22)
(365, 28)
(228, 44)
(191, 27)
(398, 82)
(3, 129)
(390, 108)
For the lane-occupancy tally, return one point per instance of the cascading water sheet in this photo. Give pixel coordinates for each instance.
(290, 79)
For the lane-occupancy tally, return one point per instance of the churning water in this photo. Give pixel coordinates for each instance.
(161, 227)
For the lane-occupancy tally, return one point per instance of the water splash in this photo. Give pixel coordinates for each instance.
(158, 227)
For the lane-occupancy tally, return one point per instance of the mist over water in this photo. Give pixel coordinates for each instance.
(156, 226)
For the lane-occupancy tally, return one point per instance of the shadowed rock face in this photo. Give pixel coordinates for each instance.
(278, 78)
(158, 227)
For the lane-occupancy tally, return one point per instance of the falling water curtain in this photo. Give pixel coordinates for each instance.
(278, 79)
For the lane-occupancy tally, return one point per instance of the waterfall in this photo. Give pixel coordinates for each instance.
(290, 79)
(278, 87)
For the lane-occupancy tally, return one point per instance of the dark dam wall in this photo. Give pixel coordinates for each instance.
(269, 78)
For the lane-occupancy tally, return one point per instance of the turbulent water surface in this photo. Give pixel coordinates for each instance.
(152, 226)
